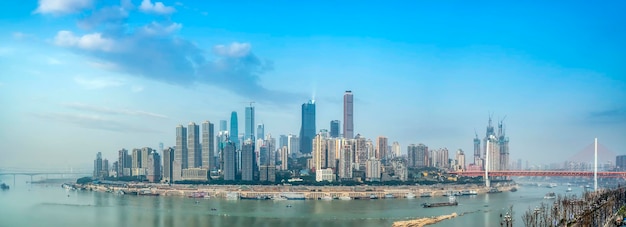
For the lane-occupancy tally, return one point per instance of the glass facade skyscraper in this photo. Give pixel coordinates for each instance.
(334, 128)
(249, 127)
(234, 129)
(307, 131)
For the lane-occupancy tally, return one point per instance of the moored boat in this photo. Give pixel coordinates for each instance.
(425, 194)
(410, 195)
(345, 198)
(550, 195)
(451, 202)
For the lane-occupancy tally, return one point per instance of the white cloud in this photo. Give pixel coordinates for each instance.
(62, 6)
(155, 28)
(93, 41)
(158, 7)
(233, 50)
(98, 83)
(111, 111)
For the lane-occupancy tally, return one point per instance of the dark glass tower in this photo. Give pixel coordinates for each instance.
(234, 129)
(307, 131)
(334, 128)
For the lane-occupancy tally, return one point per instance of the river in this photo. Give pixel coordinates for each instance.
(50, 205)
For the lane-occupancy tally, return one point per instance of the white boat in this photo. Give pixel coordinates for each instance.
(293, 196)
(410, 195)
(550, 195)
(345, 198)
(326, 198)
(278, 198)
(552, 185)
(569, 189)
(389, 196)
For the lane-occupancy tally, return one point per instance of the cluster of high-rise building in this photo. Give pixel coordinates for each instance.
(200, 154)
(494, 153)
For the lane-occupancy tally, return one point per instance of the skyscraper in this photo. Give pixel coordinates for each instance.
(334, 128)
(234, 129)
(260, 132)
(348, 115)
(395, 149)
(320, 152)
(168, 160)
(122, 163)
(194, 153)
(307, 131)
(248, 161)
(180, 154)
(381, 148)
(208, 146)
(293, 144)
(249, 129)
(223, 125)
(229, 161)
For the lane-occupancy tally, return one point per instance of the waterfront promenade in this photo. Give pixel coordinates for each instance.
(273, 191)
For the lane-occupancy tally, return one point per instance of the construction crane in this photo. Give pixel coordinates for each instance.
(250, 102)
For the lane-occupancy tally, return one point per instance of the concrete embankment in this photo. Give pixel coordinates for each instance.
(423, 221)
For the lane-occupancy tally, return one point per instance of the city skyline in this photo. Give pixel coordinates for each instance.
(78, 79)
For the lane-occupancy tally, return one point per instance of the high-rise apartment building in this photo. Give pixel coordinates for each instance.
(284, 158)
(320, 152)
(124, 163)
(234, 129)
(381, 148)
(348, 115)
(153, 168)
(194, 151)
(249, 127)
(345, 160)
(293, 144)
(283, 140)
(230, 168)
(334, 128)
(307, 131)
(460, 160)
(168, 162)
(208, 146)
(248, 161)
(181, 147)
(372, 172)
(396, 150)
(100, 167)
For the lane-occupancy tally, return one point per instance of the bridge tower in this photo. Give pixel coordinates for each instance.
(595, 165)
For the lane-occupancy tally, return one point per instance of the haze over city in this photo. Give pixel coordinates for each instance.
(81, 77)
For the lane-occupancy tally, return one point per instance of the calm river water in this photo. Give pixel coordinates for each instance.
(50, 205)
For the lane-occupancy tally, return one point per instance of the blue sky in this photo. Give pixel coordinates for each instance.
(83, 76)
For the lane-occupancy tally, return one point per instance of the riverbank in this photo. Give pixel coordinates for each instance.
(276, 191)
(423, 221)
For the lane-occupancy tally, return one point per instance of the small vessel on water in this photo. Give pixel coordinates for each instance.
(327, 198)
(294, 196)
(451, 202)
(373, 196)
(410, 195)
(513, 189)
(552, 185)
(389, 196)
(4, 186)
(426, 194)
(550, 195)
(279, 198)
(198, 195)
(494, 190)
(345, 198)
(569, 189)
(469, 192)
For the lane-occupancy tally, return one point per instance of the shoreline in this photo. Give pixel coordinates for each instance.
(276, 191)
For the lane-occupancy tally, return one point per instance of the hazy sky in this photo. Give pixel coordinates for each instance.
(79, 77)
